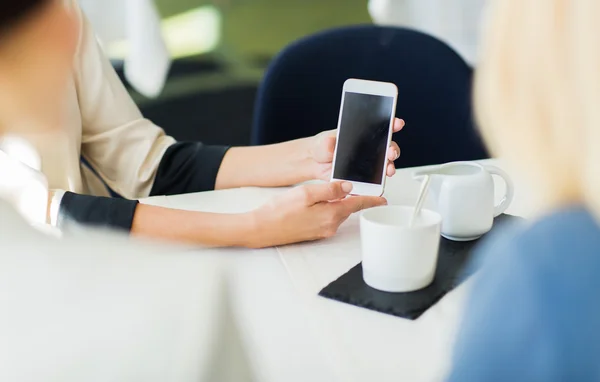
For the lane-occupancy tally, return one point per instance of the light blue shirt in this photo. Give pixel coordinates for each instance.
(534, 313)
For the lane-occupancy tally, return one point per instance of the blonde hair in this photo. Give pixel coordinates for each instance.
(537, 95)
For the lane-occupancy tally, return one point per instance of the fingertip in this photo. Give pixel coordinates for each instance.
(391, 169)
(399, 124)
(395, 150)
(377, 201)
(347, 187)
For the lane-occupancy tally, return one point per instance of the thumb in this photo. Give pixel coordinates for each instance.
(325, 147)
(317, 193)
(330, 145)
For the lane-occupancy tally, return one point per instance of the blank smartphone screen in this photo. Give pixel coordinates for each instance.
(363, 134)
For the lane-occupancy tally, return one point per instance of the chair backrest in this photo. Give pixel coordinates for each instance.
(301, 93)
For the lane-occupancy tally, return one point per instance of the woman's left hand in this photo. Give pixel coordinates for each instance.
(323, 147)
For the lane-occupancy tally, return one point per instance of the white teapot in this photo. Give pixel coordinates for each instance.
(464, 192)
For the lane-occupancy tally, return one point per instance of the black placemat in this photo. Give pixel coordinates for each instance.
(451, 271)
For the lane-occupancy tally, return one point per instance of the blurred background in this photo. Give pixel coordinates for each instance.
(219, 51)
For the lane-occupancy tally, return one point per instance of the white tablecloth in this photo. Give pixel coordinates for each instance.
(138, 23)
(296, 335)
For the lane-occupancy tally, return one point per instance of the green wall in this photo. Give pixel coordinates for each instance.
(255, 29)
(263, 27)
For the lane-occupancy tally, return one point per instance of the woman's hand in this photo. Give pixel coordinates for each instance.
(307, 213)
(322, 149)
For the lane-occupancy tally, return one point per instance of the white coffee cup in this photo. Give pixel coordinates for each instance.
(395, 256)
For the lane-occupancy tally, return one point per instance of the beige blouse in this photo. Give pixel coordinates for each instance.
(103, 125)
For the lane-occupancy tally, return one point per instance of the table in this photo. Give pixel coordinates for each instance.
(295, 335)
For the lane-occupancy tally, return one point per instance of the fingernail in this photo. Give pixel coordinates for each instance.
(397, 154)
(346, 186)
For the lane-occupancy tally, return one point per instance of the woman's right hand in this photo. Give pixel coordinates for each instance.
(307, 213)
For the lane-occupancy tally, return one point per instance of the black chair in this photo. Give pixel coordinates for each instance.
(301, 92)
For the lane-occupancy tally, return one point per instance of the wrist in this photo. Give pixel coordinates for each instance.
(49, 207)
(53, 207)
(249, 234)
(303, 163)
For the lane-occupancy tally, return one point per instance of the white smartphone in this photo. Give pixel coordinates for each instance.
(364, 133)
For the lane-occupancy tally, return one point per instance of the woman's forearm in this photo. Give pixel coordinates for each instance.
(219, 230)
(281, 164)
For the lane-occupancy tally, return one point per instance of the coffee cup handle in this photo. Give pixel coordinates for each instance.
(510, 189)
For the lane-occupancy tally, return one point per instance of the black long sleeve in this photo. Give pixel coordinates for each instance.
(188, 167)
(184, 168)
(97, 211)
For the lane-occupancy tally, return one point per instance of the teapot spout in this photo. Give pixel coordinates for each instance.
(426, 172)
(435, 179)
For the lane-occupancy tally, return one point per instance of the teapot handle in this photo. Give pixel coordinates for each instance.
(510, 189)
